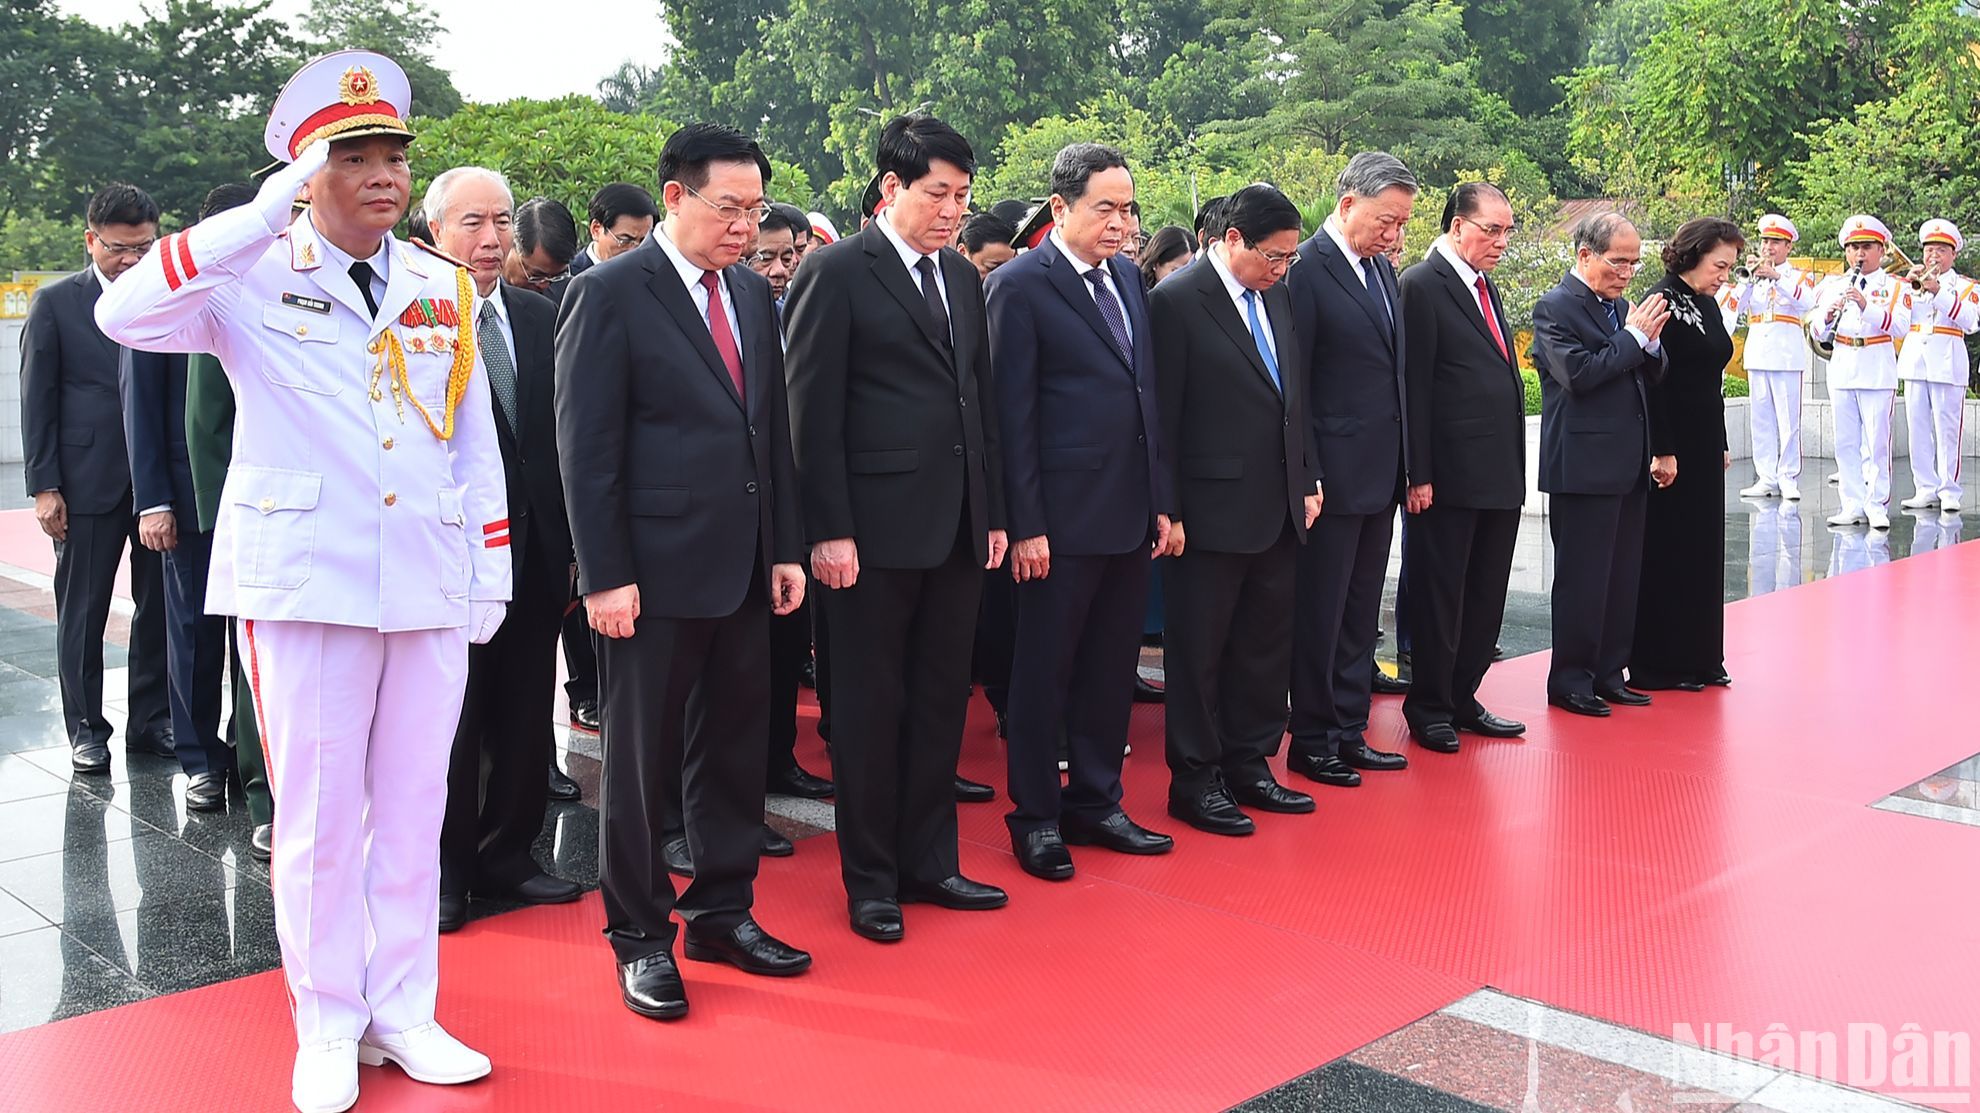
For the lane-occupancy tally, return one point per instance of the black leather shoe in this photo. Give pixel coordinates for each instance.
(1386, 685)
(1117, 833)
(794, 781)
(1144, 692)
(1327, 770)
(453, 913)
(1003, 726)
(674, 852)
(960, 893)
(1269, 795)
(748, 948)
(1625, 697)
(206, 792)
(261, 843)
(1664, 682)
(1717, 679)
(584, 715)
(651, 987)
(562, 787)
(90, 757)
(1364, 757)
(973, 792)
(878, 920)
(542, 889)
(1212, 810)
(158, 742)
(775, 845)
(1436, 737)
(1498, 652)
(1580, 704)
(1491, 726)
(1043, 854)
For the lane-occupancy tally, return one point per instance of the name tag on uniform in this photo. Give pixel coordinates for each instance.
(314, 305)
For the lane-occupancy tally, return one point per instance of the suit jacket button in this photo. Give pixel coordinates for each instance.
(750, 488)
(752, 430)
(957, 450)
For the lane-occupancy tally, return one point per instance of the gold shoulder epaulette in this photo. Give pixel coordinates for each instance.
(437, 253)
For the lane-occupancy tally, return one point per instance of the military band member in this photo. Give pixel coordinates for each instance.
(362, 541)
(1933, 366)
(1863, 310)
(1775, 299)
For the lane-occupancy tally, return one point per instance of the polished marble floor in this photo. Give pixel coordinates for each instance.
(111, 891)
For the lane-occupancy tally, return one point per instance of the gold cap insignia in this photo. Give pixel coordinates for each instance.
(358, 86)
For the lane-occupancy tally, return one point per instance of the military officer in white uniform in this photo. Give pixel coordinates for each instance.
(1933, 367)
(1775, 300)
(362, 540)
(1863, 311)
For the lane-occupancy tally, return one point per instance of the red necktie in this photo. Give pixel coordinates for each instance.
(1491, 319)
(718, 328)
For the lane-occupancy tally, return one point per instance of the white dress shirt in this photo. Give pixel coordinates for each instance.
(691, 277)
(910, 258)
(1081, 266)
(1643, 341)
(1237, 290)
(380, 263)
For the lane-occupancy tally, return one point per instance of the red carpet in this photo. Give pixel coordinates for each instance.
(1707, 861)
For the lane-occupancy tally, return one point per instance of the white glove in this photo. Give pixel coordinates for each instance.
(278, 193)
(484, 618)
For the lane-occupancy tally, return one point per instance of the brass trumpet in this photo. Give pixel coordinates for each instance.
(1919, 278)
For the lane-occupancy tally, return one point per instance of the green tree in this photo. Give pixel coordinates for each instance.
(31, 241)
(406, 31)
(1523, 45)
(563, 149)
(51, 68)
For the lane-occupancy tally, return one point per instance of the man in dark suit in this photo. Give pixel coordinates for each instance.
(72, 434)
(894, 426)
(1596, 354)
(496, 791)
(1344, 304)
(1228, 358)
(622, 217)
(545, 243)
(209, 450)
(1087, 497)
(1467, 468)
(154, 398)
(675, 445)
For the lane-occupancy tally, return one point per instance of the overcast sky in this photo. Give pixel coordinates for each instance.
(495, 48)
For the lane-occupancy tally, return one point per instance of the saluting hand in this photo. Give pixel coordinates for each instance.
(278, 194)
(613, 611)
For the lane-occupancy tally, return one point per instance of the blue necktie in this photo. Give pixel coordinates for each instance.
(1258, 337)
(1110, 310)
(1609, 307)
(1375, 290)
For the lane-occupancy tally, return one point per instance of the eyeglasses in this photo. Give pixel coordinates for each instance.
(531, 274)
(755, 214)
(134, 250)
(1493, 231)
(1622, 266)
(788, 257)
(1275, 259)
(626, 240)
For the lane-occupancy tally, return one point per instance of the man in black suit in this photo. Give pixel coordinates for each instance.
(894, 426)
(154, 399)
(545, 242)
(622, 216)
(1228, 358)
(1345, 310)
(675, 445)
(72, 434)
(496, 791)
(1088, 506)
(1467, 468)
(1596, 355)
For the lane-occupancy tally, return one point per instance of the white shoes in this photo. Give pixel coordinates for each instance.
(325, 1078)
(1878, 518)
(1919, 502)
(1949, 504)
(1847, 518)
(1761, 490)
(426, 1053)
(1790, 492)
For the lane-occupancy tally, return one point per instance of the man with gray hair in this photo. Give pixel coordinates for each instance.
(1088, 502)
(1596, 355)
(1345, 304)
(496, 790)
